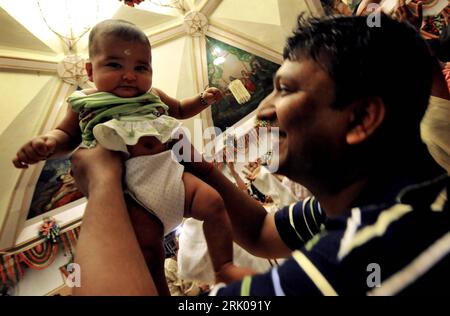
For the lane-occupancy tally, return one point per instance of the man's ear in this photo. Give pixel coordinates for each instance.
(366, 116)
(88, 67)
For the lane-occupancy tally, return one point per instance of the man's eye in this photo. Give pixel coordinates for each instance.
(284, 89)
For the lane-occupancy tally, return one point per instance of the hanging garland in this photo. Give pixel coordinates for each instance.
(10, 269)
(69, 240)
(40, 256)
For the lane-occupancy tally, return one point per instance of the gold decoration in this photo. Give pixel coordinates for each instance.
(195, 23)
(72, 71)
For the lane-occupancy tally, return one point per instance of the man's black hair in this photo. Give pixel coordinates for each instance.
(391, 62)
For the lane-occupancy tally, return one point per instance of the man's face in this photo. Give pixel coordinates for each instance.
(312, 133)
(120, 67)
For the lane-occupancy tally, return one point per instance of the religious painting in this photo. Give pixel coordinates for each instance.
(227, 64)
(55, 188)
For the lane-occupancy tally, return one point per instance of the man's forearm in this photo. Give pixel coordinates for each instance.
(240, 183)
(246, 214)
(111, 262)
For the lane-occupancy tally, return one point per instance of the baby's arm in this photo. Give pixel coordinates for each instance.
(189, 107)
(65, 137)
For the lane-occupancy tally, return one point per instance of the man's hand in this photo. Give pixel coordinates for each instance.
(96, 167)
(211, 95)
(37, 149)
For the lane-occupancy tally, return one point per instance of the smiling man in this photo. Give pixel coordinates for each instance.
(348, 105)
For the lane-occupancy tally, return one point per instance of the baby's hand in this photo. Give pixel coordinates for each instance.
(211, 95)
(37, 149)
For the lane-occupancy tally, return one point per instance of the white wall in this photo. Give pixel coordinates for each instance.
(41, 282)
(174, 73)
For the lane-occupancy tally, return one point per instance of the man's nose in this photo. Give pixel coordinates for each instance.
(266, 110)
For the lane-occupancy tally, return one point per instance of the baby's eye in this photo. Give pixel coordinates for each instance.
(114, 65)
(142, 68)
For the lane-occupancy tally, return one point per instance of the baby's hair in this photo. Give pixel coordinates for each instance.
(118, 28)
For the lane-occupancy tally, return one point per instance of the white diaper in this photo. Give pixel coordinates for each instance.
(155, 182)
(116, 134)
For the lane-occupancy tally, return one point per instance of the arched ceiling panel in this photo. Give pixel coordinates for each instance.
(167, 59)
(186, 73)
(14, 102)
(248, 11)
(146, 19)
(267, 24)
(32, 108)
(14, 35)
(263, 34)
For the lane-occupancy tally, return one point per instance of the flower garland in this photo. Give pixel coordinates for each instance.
(132, 3)
(50, 230)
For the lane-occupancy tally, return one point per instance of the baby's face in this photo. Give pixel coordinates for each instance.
(121, 67)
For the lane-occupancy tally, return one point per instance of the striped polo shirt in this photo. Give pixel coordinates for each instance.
(401, 246)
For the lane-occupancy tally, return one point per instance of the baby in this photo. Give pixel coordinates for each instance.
(124, 113)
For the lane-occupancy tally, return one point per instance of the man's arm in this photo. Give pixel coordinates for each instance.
(189, 107)
(110, 259)
(239, 182)
(253, 228)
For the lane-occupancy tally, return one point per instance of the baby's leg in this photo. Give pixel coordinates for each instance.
(202, 202)
(150, 235)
